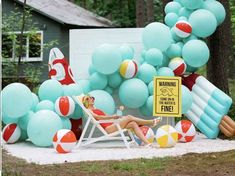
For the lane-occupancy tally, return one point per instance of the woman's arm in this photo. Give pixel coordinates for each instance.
(103, 117)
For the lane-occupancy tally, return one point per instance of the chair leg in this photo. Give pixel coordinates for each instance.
(83, 133)
(123, 136)
(92, 131)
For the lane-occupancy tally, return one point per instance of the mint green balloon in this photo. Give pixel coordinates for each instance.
(149, 104)
(165, 60)
(154, 57)
(72, 89)
(91, 70)
(106, 59)
(133, 93)
(182, 18)
(146, 73)
(175, 37)
(171, 19)
(23, 135)
(78, 113)
(172, 7)
(187, 99)
(127, 52)
(192, 4)
(98, 81)
(180, 44)
(191, 69)
(50, 90)
(42, 127)
(23, 121)
(143, 52)
(185, 12)
(66, 123)
(165, 71)
(115, 80)
(203, 23)
(103, 101)
(16, 100)
(85, 84)
(174, 51)
(45, 105)
(157, 35)
(144, 111)
(217, 9)
(35, 101)
(191, 37)
(109, 90)
(150, 88)
(7, 120)
(196, 53)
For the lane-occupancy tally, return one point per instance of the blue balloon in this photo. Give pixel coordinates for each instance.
(85, 84)
(180, 44)
(16, 100)
(187, 99)
(191, 37)
(23, 121)
(45, 105)
(23, 135)
(109, 90)
(217, 9)
(149, 104)
(77, 114)
(98, 81)
(42, 127)
(114, 80)
(174, 51)
(72, 89)
(66, 123)
(104, 55)
(103, 101)
(35, 102)
(165, 61)
(50, 90)
(146, 73)
(171, 19)
(143, 52)
(192, 4)
(195, 53)
(144, 111)
(165, 71)
(182, 18)
(203, 23)
(91, 70)
(157, 35)
(185, 12)
(6, 120)
(133, 93)
(150, 88)
(175, 36)
(127, 51)
(172, 7)
(154, 57)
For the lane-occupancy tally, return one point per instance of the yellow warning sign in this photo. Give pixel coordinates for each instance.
(167, 96)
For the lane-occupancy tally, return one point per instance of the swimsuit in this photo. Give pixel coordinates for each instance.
(99, 112)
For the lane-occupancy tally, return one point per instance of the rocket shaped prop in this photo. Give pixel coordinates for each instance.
(209, 106)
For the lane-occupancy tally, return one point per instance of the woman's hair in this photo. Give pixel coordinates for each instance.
(85, 100)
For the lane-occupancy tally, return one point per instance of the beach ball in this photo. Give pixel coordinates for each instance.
(178, 66)
(128, 69)
(146, 73)
(154, 57)
(106, 59)
(16, 100)
(127, 52)
(64, 141)
(165, 71)
(147, 132)
(64, 106)
(45, 105)
(11, 133)
(183, 29)
(50, 90)
(186, 131)
(192, 4)
(203, 23)
(166, 136)
(133, 93)
(98, 81)
(114, 80)
(157, 35)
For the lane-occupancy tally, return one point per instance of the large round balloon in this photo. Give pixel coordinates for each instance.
(174, 51)
(154, 57)
(165, 60)
(192, 4)
(146, 73)
(23, 121)
(50, 90)
(195, 53)
(165, 71)
(98, 81)
(85, 84)
(133, 93)
(6, 120)
(203, 23)
(45, 105)
(185, 12)
(106, 59)
(17, 100)
(187, 99)
(216, 8)
(66, 123)
(35, 102)
(172, 7)
(150, 88)
(114, 80)
(42, 127)
(91, 70)
(103, 101)
(157, 35)
(171, 19)
(72, 89)
(127, 52)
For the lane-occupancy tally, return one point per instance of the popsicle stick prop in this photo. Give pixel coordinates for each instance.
(227, 126)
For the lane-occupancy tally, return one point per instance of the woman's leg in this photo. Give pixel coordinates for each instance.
(139, 121)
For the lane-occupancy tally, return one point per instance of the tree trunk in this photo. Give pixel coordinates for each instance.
(220, 44)
(150, 11)
(140, 13)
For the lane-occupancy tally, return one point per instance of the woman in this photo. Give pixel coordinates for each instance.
(126, 122)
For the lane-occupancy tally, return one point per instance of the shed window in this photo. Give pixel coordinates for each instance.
(32, 46)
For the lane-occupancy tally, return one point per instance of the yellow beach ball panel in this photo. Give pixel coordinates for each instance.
(128, 69)
(166, 136)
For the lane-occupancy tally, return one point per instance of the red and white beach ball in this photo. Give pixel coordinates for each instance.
(64, 141)
(128, 69)
(148, 133)
(186, 130)
(11, 133)
(178, 66)
(183, 29)
(64, 106)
